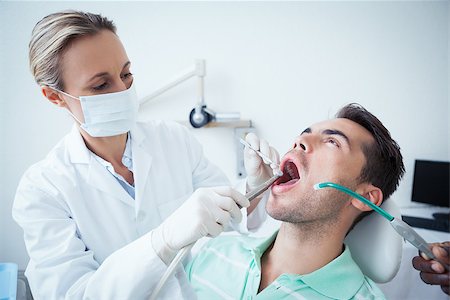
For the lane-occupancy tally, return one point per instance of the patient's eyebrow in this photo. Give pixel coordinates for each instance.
(336, 132)
(307, 130)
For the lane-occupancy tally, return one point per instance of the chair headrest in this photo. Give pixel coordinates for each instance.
(375, 246)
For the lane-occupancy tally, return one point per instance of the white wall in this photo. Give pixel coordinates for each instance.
(285, 66)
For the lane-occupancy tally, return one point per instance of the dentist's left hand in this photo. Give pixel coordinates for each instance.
(257, 170)
(205, 213)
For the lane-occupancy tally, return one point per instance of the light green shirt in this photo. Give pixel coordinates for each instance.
(229, 267)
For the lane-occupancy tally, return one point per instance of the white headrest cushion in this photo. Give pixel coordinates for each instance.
(375, 246)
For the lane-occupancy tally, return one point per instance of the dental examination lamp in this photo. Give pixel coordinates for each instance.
(200, 115)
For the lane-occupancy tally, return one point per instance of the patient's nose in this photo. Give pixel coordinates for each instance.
(300, 144)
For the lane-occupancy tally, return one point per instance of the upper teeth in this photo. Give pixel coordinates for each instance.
(290, 171)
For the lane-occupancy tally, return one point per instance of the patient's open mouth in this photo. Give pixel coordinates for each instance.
(290, 174)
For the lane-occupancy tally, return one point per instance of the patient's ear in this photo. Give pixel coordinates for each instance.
(371, 193)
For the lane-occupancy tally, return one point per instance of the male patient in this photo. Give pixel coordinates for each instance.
(306, 258)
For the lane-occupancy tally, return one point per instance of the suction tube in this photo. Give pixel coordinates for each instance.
(348, 191)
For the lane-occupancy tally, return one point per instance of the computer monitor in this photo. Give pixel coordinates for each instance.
(431, 182)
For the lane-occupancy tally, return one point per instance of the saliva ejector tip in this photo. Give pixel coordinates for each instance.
(317, 186)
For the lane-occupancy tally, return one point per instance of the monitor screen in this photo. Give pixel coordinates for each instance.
(431, 182)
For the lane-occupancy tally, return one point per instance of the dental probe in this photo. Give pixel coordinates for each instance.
(262, 155)
(183, 252)
(402, 228)
(262, 188)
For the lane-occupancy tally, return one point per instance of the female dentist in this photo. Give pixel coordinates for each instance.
(109, 207)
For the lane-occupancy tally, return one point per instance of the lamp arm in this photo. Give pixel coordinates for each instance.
(199, 71)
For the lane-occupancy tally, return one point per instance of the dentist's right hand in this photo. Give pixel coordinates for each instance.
(205, 213)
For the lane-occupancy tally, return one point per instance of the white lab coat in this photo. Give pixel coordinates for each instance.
(86, 237)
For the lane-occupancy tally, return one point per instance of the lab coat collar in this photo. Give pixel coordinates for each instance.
(100, 178)
(142, 161)
(97, 175)
(78, 152)
(137, 133)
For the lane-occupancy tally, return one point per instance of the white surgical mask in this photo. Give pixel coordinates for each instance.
(108, 114)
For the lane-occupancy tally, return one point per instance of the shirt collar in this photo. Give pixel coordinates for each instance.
(260, 245)
(126, 158)
(339, 279)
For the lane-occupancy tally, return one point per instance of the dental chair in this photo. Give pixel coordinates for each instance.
(375, 246)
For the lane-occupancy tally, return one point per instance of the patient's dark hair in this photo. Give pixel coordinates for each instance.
(384, 163)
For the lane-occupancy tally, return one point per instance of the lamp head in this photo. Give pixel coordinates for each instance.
(199, 117)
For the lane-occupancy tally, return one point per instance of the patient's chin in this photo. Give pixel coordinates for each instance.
(276, 208)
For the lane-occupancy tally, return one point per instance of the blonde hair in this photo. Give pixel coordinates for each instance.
(52, 35)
